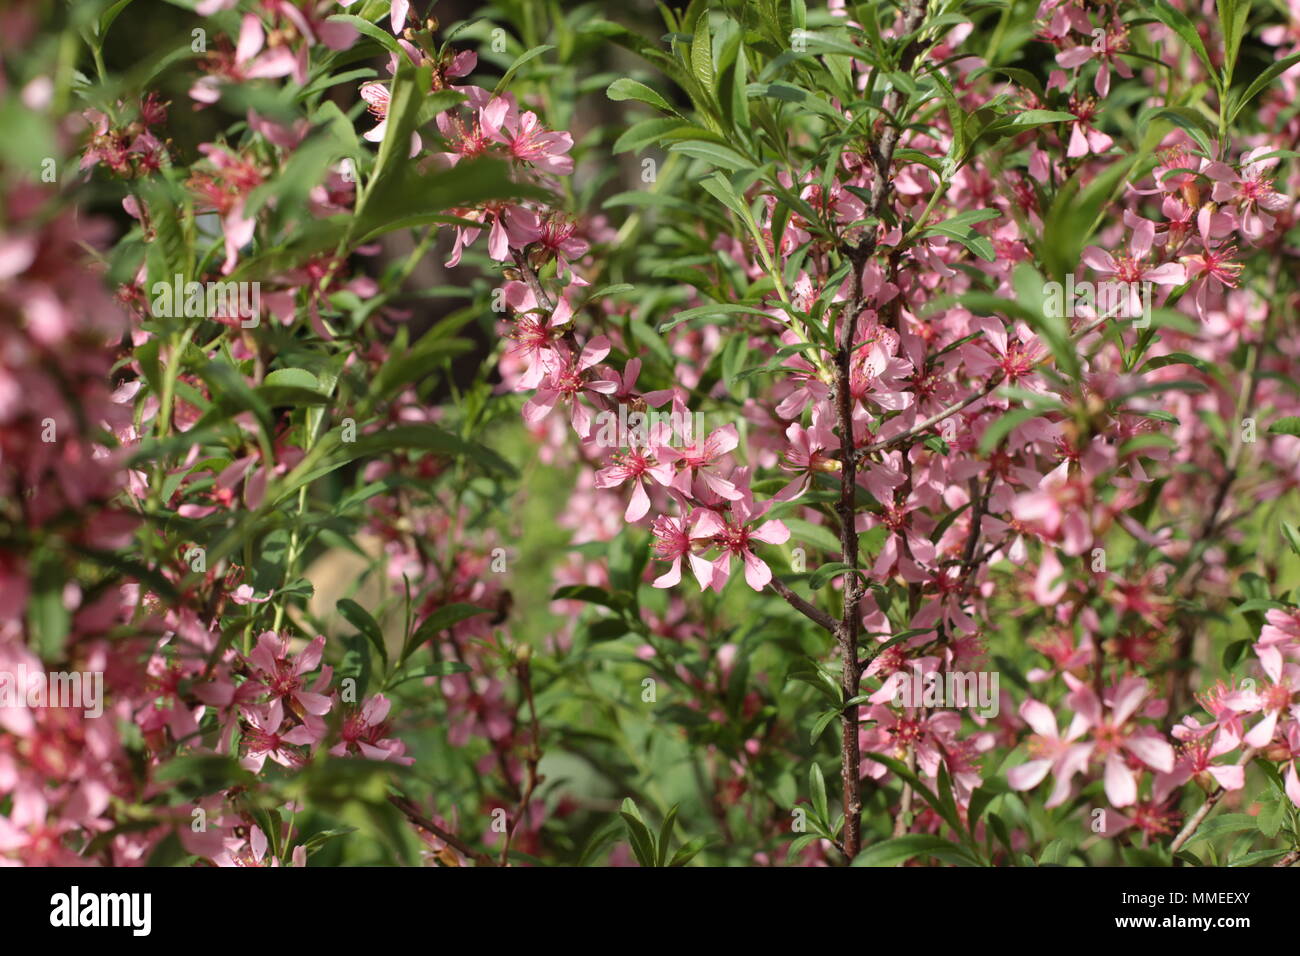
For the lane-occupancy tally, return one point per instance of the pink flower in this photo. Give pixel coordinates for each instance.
(1289, 748)
(1058, 509)
(1216, 264)
(635, 465)
(1275, 698)
(283, 676)
(1114, 736)
(1250, 190)
(697, 463)
(1113, 43)
(1084, 137)
(248, 62)
(1194, 761)
(1016, 361)
(1063, 757)
(1225, 704)
(1282, 630)
(804, 454)
(537, 337)
(366, 732)
(567, 382)
(675, 539)
(1132, 268)
(225, 191)
(525, 138)
(252, 852)
(735, 537)
(262, 738)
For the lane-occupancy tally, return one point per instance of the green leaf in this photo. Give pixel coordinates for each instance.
(733, 358)
(1258, 604)
(1263, 81)
(291, 386)
(665, 832)
(817, 789)
(1272, 815)
(626, 89)
(365, 624)
(688, 851)
(979, 802)
(1003, 427)
(826, 572)
(903, 848)
(1285, 426)
(442, 619)
(1178, 358)
(820, 725)
(378, 34)
(1189, 120)
(48, 618)
(1259, 856)
(405, 197)
(1292, 535)
(202, 774)
(602, 839)
(523, 58)
(825, 43)
(436, 669)
(712, 153)
(1177, 21)
(818, 536)
(981, 246)
(1074, 214)
(1233, 653)
(944, 807)
(734, 88)
(643, 844)
(1225, 823)
(702, 51)
(1233, 15)
(644, 132)
(710, 310)
(615, 600)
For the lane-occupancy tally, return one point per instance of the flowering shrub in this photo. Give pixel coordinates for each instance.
(774, 436)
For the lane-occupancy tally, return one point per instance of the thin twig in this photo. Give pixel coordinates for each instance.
(930, 422)
(1210, 803)
(534, 756)
(814, 614)
(413, 814)
(530, 278)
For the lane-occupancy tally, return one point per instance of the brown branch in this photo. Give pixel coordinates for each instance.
(531, 280)
(883, 150)
(1180, 687)
(1210, 803)
(814, 614)
(412, 813)
(922, 427)
(534, 756)
(846, 632)
(904, 818)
